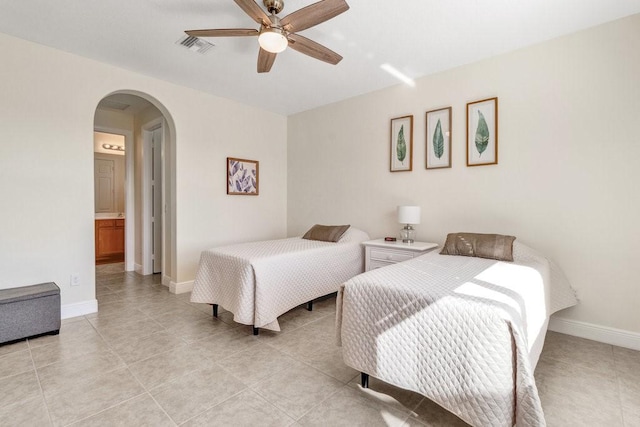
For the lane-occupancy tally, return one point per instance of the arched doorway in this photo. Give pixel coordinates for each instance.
(148, 214)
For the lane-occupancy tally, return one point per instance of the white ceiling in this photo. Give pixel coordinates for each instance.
(417, 37)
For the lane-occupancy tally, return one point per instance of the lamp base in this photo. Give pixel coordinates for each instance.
(407, 234)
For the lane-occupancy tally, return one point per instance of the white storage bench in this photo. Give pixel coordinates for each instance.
(28, 311)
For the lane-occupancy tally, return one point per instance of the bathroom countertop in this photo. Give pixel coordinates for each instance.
(110, 215)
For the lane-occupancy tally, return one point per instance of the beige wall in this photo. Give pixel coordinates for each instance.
(46, 167)
(566, 184)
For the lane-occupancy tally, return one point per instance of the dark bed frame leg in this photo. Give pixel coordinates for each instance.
(256, 331)
(364, 380)
(215, 310)
(310, 305)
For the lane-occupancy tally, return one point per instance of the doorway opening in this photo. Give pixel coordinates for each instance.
(109, 195)
(140, 204)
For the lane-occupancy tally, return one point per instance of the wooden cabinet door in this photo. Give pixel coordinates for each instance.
(109, 240)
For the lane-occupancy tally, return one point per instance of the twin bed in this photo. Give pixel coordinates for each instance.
(260, 281)
(466, 332)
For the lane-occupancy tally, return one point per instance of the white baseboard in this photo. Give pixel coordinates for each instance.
(180, 288)
(593, 332)
(137, 268)
(79, 309)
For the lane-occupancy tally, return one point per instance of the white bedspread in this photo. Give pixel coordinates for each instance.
(464, 332)
(259, 281)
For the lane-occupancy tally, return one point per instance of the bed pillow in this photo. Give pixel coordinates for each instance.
(326, 233)
(492, 246)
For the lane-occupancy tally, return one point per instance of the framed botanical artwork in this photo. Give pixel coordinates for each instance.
(401, 144)
(242, 177)
(482, 132)
(438, 138)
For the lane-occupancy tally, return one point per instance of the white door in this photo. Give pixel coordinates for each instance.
(104, 185)
(156, 199)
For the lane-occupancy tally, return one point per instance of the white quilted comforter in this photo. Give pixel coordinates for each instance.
(259, 281)
(464, 332)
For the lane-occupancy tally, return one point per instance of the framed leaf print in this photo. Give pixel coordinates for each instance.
(438, 138)
(482, 132)
(401, 144)
(242, 177)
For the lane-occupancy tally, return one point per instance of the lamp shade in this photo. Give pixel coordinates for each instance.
(409, 214)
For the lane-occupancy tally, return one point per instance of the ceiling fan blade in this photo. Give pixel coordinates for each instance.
(313, 49)
(232, 32)
(265, 60)
(313, 14)
(252, 9)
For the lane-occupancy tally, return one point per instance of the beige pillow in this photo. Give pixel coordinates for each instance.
(492, 246)
(326, 233)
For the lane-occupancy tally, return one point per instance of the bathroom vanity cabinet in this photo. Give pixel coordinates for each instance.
(109, 240)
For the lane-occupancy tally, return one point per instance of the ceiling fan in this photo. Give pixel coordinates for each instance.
(276, 34)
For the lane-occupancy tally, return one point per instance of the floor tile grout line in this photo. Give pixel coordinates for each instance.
(13, 353)
(318, 370)
(162, 409)
(182, 343)
(103, 410)
(248, 385)
(280, 370)
(125, 324)
(44, 399)
(266, 339)
(345, 384)
(274, 405)
(217, 404)
(189, 372)
(339, 389)
(618, 383)
(565, 362)
(90, 377)
(151, 395)
(146, 391)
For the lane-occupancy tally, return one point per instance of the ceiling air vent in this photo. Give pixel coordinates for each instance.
(195, 44)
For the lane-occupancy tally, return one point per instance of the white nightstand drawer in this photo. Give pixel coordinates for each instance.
(378, 264)
(380, 253)
(389, 256)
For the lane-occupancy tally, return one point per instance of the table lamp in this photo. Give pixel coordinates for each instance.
(408, 215)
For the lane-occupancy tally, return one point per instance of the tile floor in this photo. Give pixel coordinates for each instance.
(153, 358)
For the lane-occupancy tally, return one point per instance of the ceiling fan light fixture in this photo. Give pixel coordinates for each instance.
(273, 40)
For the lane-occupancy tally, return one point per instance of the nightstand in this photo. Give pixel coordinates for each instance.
(379, 253)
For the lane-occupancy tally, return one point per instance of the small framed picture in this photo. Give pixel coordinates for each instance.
(242, 177)
(482, 132)
(438, 138)
(401, 144)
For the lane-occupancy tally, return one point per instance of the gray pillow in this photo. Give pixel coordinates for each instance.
(492, 246)
(326, 233)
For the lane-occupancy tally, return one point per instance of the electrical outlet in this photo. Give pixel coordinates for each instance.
(75, 279)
